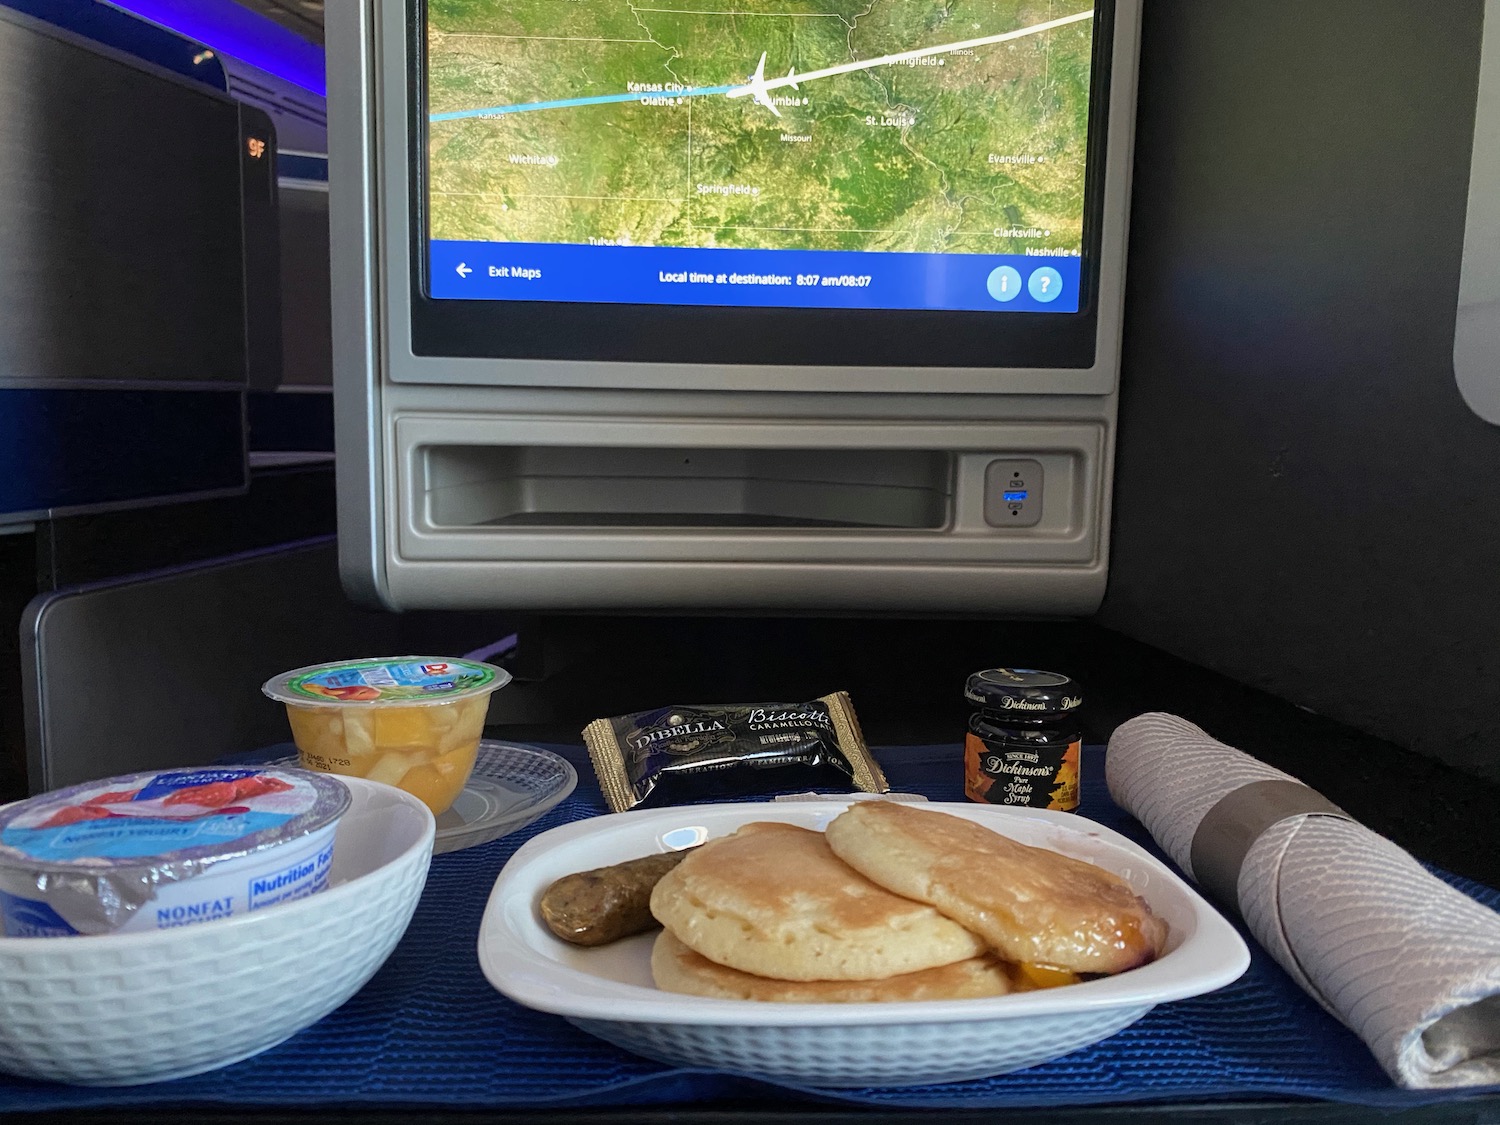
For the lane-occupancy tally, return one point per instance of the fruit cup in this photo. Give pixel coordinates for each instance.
(410, 721)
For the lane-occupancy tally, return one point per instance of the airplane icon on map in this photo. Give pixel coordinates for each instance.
(757, 84)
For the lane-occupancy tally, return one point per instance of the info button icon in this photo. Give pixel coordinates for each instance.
(1004, 283)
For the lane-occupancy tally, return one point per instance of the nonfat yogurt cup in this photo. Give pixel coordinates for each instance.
(165, 848)
(410, 721)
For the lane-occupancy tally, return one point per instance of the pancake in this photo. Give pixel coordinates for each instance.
(676, 968)
(1030, 904)
(773, 900)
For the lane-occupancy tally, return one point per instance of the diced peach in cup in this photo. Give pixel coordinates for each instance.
(426, 749)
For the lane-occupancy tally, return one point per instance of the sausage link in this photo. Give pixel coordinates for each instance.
(606, 904)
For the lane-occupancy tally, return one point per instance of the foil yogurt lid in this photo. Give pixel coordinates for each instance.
(87, 859)
(400, 681)
(169, 819)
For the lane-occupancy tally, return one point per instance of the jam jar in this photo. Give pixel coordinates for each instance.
(1023, 745)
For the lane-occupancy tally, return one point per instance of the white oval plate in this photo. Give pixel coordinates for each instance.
(608, 991)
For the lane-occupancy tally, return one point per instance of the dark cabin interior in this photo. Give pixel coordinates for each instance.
(1302, 548)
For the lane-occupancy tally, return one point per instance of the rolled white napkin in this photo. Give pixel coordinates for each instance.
(1409, 964)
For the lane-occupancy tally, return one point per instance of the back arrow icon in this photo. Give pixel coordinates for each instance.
(462, 270)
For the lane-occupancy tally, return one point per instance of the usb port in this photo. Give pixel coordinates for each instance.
(1014, 497)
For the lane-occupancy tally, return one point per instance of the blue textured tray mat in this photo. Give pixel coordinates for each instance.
(429, 1031)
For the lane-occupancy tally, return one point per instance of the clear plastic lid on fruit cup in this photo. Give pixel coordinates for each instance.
(397, 681)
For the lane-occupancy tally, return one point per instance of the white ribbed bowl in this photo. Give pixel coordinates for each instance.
(608, 991)
(122, 1009)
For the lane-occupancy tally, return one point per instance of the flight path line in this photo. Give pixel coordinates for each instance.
(902, 56)
(569, 103)
(770, 83)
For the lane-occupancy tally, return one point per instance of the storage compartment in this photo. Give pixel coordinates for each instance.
(626, 487)
(533, 510)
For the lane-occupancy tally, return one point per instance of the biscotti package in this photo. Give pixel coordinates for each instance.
(679, 755)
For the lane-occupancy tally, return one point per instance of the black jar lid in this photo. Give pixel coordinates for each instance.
(1023, 691)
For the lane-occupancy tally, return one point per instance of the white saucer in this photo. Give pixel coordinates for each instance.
(511, 786)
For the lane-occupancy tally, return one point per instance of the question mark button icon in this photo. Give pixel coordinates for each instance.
(1045, 285)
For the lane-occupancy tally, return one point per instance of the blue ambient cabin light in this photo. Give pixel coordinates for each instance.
(239, 33)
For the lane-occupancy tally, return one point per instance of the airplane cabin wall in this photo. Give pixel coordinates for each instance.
(1303, 501)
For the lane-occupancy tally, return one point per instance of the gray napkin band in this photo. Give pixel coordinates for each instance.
(1225, 836)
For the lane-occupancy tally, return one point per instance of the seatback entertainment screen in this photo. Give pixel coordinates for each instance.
(817, 154)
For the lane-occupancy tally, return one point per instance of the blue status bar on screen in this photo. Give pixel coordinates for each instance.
(816, 279)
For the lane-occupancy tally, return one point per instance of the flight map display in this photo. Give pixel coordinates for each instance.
(874, 154)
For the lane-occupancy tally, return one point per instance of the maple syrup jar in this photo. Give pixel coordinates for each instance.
(1023, 745)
